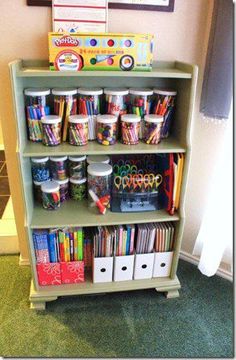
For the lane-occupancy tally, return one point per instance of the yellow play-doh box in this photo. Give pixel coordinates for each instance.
(100, 51)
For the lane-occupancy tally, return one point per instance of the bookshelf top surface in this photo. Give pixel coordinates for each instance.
(160, 69)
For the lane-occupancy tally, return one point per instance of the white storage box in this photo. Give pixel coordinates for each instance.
(123, 267)
(102, 269)
(143, 266)
(162, 264)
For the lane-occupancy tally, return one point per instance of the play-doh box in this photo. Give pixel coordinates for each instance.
(104, 51)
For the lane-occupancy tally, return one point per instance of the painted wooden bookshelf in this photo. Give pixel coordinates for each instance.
(177, 75)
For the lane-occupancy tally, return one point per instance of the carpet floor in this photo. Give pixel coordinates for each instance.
(129, 324)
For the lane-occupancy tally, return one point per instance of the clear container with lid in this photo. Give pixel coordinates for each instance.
(140, 104)
(50, 195)
(65, 104)
(130, 125)
(152, 129)
(37, 191)
(78, 189)
(40, 169)
(36, 107)
(99, 180)
(107, 129)
(64, 189)
(164, 105)
(89, 103)
(77, 167)
(116, 101)
(51, 125)
(91, 159)
(58, 167)
(78, 129)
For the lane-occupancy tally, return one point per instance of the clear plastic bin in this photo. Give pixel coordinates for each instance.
(78, 130)
(51, 130)
(92, 159)
(50, 195)
(78, 189)
(164, 105)
(130, 125)
(40, 169)
(152, 129)
(65, 104)
(140, 104)
(89, 104)
(116, 101)
(99, 180)
(107, 129)
(36, 100)
(58, 167)
(77, 167)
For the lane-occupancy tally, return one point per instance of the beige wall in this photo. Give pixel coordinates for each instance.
(1, 137)
(181, 35)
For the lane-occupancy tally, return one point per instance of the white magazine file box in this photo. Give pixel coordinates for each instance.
(102, 269)
(123, 267)
(162, 264)
(143, 266)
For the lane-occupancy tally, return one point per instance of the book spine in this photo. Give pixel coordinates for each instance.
(52, 248)
(41, 247)
(71, 236)
(61, 244)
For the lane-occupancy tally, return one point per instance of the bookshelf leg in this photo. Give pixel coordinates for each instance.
(38, 305)
(172, 294)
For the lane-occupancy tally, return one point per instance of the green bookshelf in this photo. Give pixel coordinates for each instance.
(33, 73)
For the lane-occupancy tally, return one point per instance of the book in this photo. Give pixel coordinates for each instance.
(40, 241)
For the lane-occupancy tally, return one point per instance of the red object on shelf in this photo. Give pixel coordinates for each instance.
(72, 272)
(49, 274)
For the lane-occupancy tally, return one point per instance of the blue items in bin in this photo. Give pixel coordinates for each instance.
(135, 184)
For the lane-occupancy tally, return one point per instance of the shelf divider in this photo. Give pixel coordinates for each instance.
(169, 145)
(78, 213)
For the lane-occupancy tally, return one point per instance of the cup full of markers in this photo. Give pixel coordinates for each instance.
(89, 103)
(164, 105)
(116, 101)
(130, 125)
(65, 104)
(78, 130)
(140, 104)
(50, 195)
(51, 125)
(36, 100)
(152, 129)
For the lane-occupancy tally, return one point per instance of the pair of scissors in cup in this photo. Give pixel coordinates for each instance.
(152, 181)
(123, 181)
(125, 169)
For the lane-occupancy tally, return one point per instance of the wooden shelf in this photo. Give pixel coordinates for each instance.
(159, 70)
(93, 148)
(78, 213)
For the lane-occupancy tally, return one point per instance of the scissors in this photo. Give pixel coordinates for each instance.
(123, 182)
(124, 170)
(158, 180)
(149, 180)
(138, 181)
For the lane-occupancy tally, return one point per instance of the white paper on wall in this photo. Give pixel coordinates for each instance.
(80, 15)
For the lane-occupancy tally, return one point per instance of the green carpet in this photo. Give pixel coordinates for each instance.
(130, 324)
